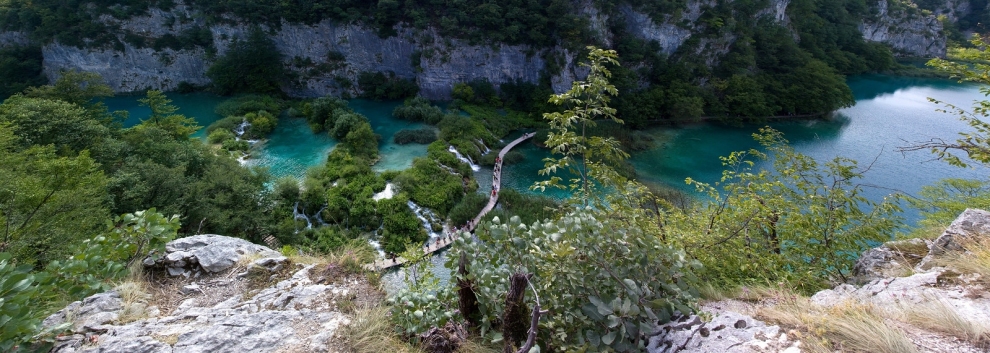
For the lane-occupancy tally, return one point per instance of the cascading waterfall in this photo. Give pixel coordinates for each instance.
(385, 194)
(485, 147)
(461, 157)
(301, 215)
(422, 214)
(241, 129)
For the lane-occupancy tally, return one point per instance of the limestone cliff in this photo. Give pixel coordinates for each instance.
(909, 35)
(433, 61)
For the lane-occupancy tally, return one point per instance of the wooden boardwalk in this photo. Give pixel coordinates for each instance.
(448, 237)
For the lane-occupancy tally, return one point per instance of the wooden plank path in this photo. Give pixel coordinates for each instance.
(448, 238)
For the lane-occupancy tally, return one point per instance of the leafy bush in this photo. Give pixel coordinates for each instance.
(418, 109)
(262, 123)
(380, 86)
(18, 288)
(236, 145)
(604, 281)
(251, 103)
(800, 221)
(420, 136)
(20, 68)
(220, 136)
(467, 209)
(251, 65)
(321, 110)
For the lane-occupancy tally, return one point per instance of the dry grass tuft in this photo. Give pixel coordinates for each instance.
(371, 331)
(472, 346)
(846, 327)
(937, 315)
(976, 258)
(134, 293)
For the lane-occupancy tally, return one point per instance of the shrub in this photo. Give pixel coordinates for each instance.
(250, 103)
(418, 109)
(420, 136)
(467, 209)
(220, 136)
(380, 86)
(251, 65)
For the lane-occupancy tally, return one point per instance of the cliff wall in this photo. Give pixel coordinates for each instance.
(433, 61)
(917, 35)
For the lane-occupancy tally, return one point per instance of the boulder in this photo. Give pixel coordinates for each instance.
(211, 252)
(96, 310)
(893, 258)
(294, 315)
(728, 331)
(970, 223)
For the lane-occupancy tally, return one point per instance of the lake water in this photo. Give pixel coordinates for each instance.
(292, 147)
(890, 112)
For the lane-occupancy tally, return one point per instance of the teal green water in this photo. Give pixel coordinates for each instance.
(890, 112)
(198, 106)
(292, 147)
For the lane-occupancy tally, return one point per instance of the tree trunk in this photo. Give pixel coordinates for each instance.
(515, 323)
(468, 303)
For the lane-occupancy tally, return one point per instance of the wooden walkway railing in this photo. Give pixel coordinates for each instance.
(448, 238)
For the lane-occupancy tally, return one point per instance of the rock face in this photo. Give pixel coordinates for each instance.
(971, 223)
(292, 316)
(210, 253)
(917, 35)
(8, 39)
(728, 331)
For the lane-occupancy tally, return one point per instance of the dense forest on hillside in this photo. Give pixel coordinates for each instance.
(769, 69)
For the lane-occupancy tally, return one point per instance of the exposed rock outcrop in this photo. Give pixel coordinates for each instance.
(912, 35)
(211, 253)
(223, 312)
(8, 39)
(728, 331)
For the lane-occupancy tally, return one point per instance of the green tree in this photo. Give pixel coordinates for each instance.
(250, 65)
(163, 116)
(587, 157)
(41, 121)
(47, 202)
(801, 221)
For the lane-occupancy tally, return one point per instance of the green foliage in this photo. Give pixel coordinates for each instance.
(47, 202)
(262, 123)
(423, 303)
(468, 208)
(529, 208)
(799, 222)
(27, 296)
(418, 109)
(604, 281)
(399, 224)
(18, 315)
(587, 157)
(381, 86)
(941, 203)
(220, 136)
(421, 136)
(250, 103)
(976, 143)
(250, 65)
(65, 126)
(20, 68)
(321, 112)
(436, 182)
(163, 116)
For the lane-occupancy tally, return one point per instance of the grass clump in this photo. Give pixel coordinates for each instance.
(372, 331)
(134, 294)
(937, 315)
(976, 258)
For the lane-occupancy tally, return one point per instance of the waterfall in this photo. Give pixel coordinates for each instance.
(482, 144)
(385, 194)
(319, 216)
(241, 129)
(378, 246)
(453, 150)
(422, 214)
(301, 215)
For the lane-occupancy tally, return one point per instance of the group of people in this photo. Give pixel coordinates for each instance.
(495, 176)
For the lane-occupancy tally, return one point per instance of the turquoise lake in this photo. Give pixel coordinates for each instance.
(292, 148)
(890, 112)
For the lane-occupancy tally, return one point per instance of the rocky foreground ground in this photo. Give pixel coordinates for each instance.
(213, 293)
